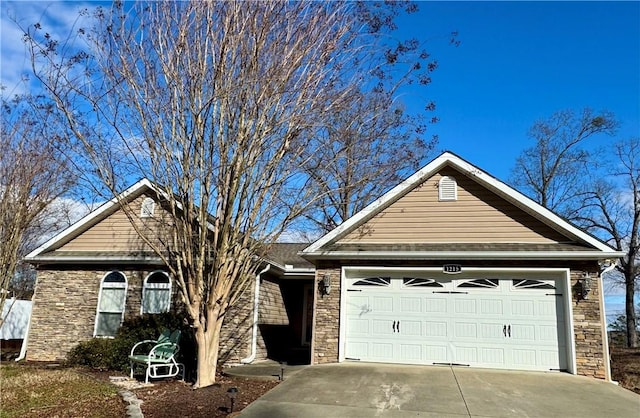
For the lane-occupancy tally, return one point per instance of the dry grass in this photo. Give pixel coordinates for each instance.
(625, 367)
(42, 392)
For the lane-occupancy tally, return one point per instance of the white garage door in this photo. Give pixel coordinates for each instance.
(479, 320)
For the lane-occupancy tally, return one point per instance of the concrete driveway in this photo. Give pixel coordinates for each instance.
(370, 390)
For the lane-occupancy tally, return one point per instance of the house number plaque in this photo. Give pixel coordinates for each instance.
(452, 268)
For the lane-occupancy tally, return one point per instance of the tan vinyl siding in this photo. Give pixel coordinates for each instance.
(477, 215)
(116, 233)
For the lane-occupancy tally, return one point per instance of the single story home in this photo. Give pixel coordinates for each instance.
(450, 267)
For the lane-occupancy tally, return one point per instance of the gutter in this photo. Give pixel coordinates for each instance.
(462, 255)
(254, 334)
(605, 335)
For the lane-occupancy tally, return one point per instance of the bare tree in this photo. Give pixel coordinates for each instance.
(611, 208)
(552, 171)
(33, 173)
(366, 149)
(374, 142)
(217, 103)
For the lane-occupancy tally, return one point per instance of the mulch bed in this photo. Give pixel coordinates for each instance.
(171, 398)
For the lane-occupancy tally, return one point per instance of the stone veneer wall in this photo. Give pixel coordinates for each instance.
(64, 309)
(587, 327)
(587, 322)
(65, 304)
(326, 330)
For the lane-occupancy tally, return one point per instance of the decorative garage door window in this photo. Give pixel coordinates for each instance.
(419, 282)
(113, 293)
(480, 283)
(374, 281)
(532, 284)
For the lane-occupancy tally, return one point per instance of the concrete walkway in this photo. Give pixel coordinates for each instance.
(370, 390)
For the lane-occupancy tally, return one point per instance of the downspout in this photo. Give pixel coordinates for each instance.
(25, 340)
(605, 336)
(254, 336)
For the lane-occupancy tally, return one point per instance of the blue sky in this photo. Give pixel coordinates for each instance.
(521, 61)
(517, 62)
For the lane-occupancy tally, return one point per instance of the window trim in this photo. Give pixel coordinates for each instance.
(146, 285)
(111, 285)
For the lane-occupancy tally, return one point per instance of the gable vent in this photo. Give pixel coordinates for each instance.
(447, 189)
(147, 208)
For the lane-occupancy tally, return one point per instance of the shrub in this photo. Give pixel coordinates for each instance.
(112, 353)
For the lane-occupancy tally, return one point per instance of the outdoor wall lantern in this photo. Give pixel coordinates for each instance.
(584, 286)
(325, 284)
(231, 394)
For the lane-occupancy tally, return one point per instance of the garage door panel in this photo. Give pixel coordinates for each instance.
(466, 330)
(464, 306)
(411, 305)
(382, 304)
(436, 353)
(491, 331)
(381, 327)
(502, 325)
(492, 307)
(523, 357)
(381, 351)
(466, 355)
(358, 305)
(492, 356)
(410, 328)
(435, 305)
(358, 327)
(435, 328)
(523, 308)
(411, 352)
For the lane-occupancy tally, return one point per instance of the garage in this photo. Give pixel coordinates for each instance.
(508, 319)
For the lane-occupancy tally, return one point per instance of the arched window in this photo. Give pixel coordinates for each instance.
(111, 303)
(147, 208)
(156, 293)
(447, 189)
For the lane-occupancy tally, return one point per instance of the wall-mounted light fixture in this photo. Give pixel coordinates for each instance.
(325, 284)
(584, 286)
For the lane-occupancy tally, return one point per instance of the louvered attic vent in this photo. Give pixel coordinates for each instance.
(447, 189)
(147, 208)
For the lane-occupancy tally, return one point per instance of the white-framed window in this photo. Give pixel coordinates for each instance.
(147, 208)
(156, 293)
(447, 189)
(111, 304)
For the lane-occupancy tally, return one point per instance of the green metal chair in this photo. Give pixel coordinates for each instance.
(160, 361)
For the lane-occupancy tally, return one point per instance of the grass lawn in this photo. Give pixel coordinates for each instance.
(55, 392)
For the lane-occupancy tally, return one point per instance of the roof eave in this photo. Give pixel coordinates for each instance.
(93, 260)
(463, 255)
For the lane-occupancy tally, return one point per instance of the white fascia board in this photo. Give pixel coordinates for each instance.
(95, 259)
(372, 208)
(464, 255)
(105, 208)
(525, 202)
(300, 272)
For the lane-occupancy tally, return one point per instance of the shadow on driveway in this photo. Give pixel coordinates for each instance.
(369, 390)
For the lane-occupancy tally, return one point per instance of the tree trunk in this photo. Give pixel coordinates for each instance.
(208, 342)
(632, 334)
